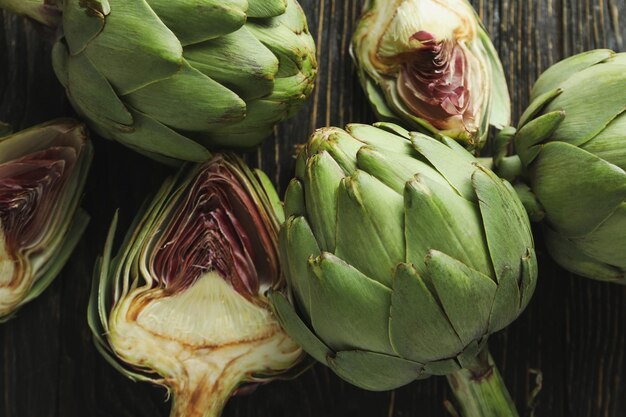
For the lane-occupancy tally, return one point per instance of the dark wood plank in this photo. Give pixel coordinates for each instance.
(574, 331)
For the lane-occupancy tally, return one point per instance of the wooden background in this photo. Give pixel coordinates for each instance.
(574, 330)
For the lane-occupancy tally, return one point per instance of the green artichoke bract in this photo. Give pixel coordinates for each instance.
(42, 176)
(183, 303)
(572, 142)
(430, 65)
(169, 78)
(402, 255)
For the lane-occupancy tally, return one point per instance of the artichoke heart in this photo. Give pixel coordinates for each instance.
(42, 174)
(188, 289)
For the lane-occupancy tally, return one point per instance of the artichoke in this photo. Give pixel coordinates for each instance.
(183, 303)
(42, 175)
(430, 65)
(572, 143)
(170, 78)
(402, 255)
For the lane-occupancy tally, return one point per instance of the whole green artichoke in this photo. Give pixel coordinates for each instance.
(42, 175)
(183, 304)
(169, 78)
(402, 255)
(430, 65)
(572, 142)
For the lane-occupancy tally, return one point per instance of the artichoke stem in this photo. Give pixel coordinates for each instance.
(480, 391)
(207, 399)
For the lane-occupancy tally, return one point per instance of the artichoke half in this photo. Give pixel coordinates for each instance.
(42, 176)
(402, 255)
(170, 78)
(430, 65)
(183, 303)
(572, 142)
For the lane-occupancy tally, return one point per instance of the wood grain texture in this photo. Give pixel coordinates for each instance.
(573, 332)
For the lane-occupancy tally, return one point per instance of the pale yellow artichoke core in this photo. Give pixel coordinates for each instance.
(450, 20)
(203, 341)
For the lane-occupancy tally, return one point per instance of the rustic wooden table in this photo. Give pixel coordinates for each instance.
(574, 331)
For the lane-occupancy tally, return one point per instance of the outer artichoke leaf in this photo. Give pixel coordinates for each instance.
(370, 215)
(529, 201)
(340, 145)
(294, 18)
(577, 189)
(442, 367)
(458, 148)
(454, 168)
(290, 48)
(534, 133)
(207, 103)
(96, 324)
(568, 255)
(151, 135)
(537, 105)
(60, 58)
(266, 191)
(102, 284)
(294, 199)
(419, 329)
(134, 47)
(374, 371)
(60, 255)
(466, 295)
(607, 243)
(259, 120)
(394, 128)
(381, 139)
(238, 60)
(293, 90)
(298, 243)
(32, 139)
(610, 144)
(528, 281)
(438, 218)
(321, 183)
(82, 22)
(195, 21)
(586, 117)
(349, 309)
(377, 98)
(558, 73)
(266, 8)
(499, 102)
(506, 225)
(297, 329)
(87, 86)
(505, 308)
(394, 169)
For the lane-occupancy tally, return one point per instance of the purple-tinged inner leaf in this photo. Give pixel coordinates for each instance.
(29, 188)
(433, 81)
(217, 226)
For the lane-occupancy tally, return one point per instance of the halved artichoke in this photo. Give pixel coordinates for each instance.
(183, 304)
(42, 174)
(430, 65)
